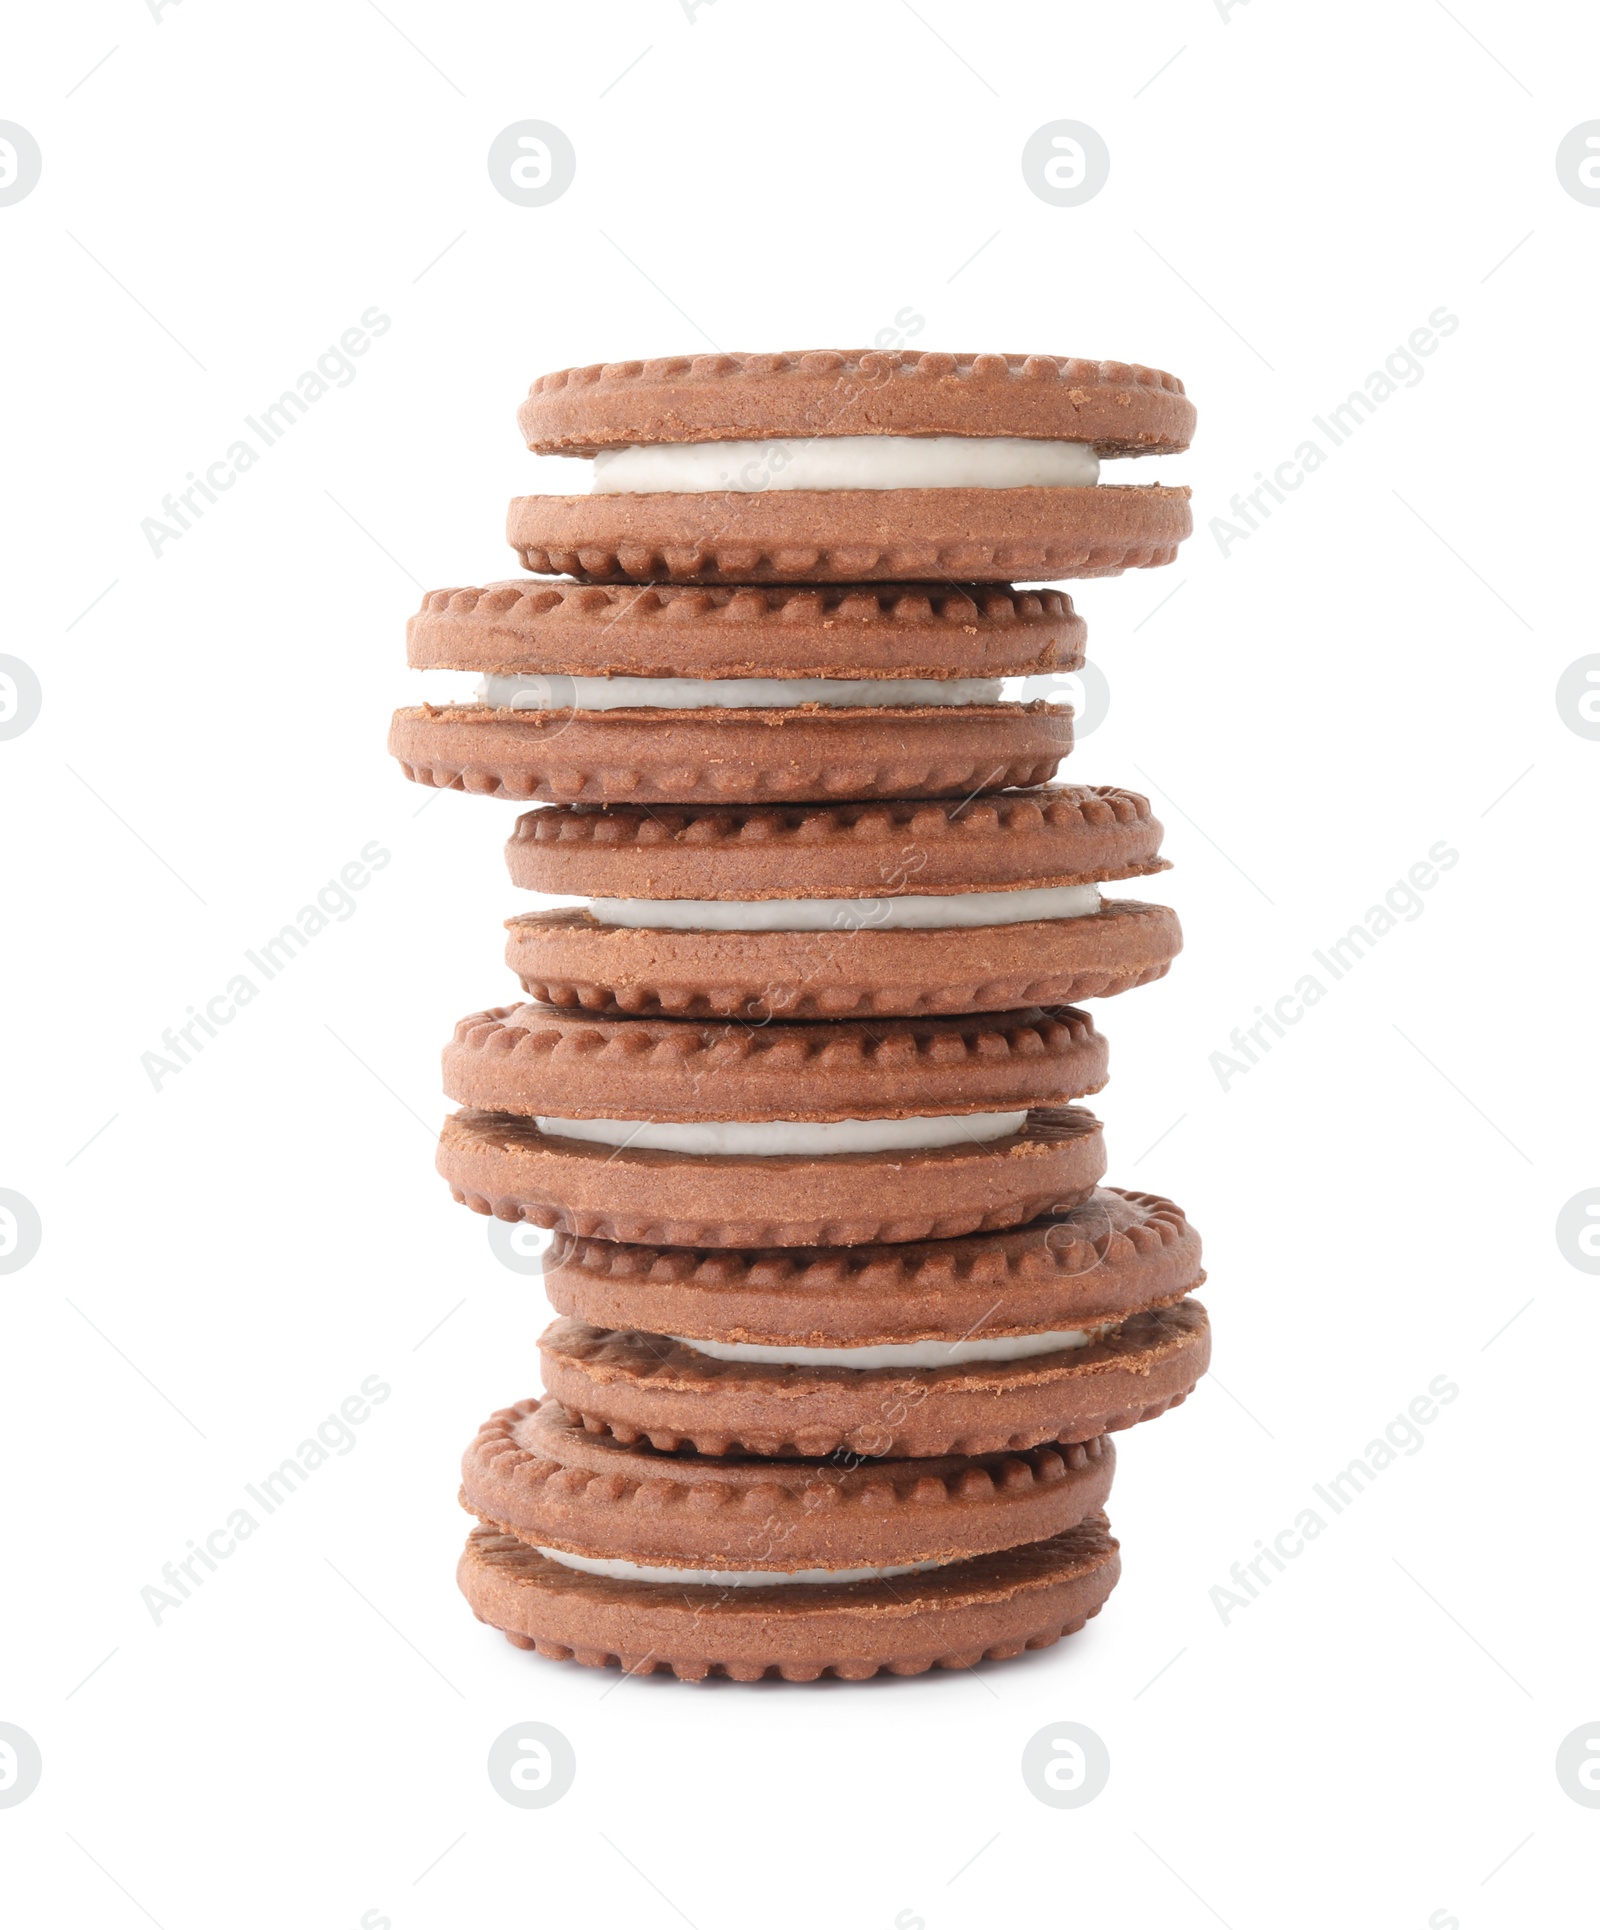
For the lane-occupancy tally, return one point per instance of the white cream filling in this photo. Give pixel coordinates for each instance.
(930, 911)
(638, 1571)
(778, 1138)
(559, 692)
(846, 462)
(911, 1353)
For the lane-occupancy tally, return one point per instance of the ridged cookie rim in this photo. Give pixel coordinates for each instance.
(538, 1471)
(1058, 1055)
(1019, 1261)
(736, 754)
(953, 843)
(866, 992)
(801, 393)
(577, 629)
(772, 536)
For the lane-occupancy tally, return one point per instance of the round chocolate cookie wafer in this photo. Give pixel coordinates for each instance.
(651, 1387)
(568, 958)
(847, 535)
(534, 1470)
(711, 755)
(1117, 1253)
(668, 631)
(507, 1166)
(1065, 834)
(563, 1067)
(832, 466)
(843, 909)
(1117, 408)
(989, 1608)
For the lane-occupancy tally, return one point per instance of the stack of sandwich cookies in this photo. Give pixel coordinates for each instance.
(845, 1315)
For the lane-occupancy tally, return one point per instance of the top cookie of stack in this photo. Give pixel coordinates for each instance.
(828, 467)
(827, 541)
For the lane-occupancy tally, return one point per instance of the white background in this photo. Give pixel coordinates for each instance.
(1295, 191)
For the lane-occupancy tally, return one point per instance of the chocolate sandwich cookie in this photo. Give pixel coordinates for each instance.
(842, 909)
(679, 694)
(606, 1552)
(830, 467)
(1073, 1326)
(692, 1133)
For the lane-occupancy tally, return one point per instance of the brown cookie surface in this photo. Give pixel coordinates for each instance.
(847, 630)
(531, 1060)
(567, 958)
(535, 1471)
(1124, 409)
(646, 1386)
(505, 1166)
(991, 1607)
(1115, 1254)
(1066, 834)
(850, 535)
(712, 756)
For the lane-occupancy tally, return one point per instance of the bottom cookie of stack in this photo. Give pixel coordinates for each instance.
(600, 1552)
